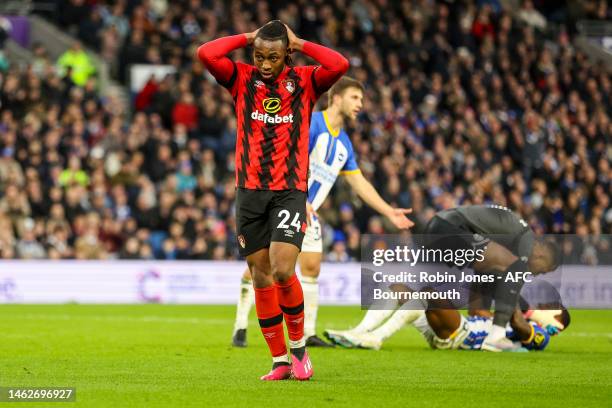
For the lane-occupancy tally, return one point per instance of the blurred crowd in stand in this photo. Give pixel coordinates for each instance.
(466, 103)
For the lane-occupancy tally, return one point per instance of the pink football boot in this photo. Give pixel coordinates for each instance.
(302, 369)
(282, 372)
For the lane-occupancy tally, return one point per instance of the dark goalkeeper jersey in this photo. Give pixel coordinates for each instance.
(497, 222)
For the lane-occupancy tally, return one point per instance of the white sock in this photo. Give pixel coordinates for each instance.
(281, 359)
(310, 287)
(245, 301)
(497, 333)
(402, 316)
(297, 343)
(375, 317)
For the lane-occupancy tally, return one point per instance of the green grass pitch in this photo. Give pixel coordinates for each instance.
(162, 356)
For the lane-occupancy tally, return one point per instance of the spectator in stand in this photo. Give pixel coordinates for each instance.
(144, 98)
(185, 112)
(73, 174)
(76, 64)
(28, 246)
(529, 15)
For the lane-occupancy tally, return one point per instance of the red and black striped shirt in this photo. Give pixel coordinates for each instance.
(273, 118)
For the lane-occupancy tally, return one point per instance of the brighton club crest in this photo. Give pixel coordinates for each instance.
(241, 241)
(289, 85)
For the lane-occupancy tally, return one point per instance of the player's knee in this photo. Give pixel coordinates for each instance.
(496, 257)
(256, 272)
(310, 269)
(282, 270)
(282, 275)
(258, 267)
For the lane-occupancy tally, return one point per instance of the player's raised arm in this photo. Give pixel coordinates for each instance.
(213, 54)
(333, 64)
(366, 191)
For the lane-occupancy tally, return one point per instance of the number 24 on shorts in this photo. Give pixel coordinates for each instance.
(285, 215)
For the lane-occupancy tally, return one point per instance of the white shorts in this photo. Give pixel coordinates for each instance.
(313, 241)
(469, 336)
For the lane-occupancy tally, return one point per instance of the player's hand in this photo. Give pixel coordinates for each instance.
(547, 318)
(251, 36)
(552, 330)
(398, 218)
(295, 43)
(310, 212)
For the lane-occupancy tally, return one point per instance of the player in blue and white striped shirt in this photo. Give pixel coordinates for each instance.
(331, 154)
(445, 328)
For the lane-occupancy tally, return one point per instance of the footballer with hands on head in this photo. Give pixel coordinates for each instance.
(273, 103)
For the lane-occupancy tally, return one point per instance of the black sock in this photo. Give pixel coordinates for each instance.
(279, 363)
(507, 295)
(299, 352)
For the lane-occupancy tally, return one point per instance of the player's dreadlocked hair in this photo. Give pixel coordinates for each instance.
(273, 31)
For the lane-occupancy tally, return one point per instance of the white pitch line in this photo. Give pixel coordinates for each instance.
(586, 334)
(102, 318)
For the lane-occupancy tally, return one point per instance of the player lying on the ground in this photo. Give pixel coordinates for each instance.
(274, 101)
(509, 245)
(331, 154)
(448, 329)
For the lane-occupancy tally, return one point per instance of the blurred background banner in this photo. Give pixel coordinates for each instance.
(184, 282)
(149, 282)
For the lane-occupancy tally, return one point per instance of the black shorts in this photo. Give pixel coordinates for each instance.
(263, 216)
